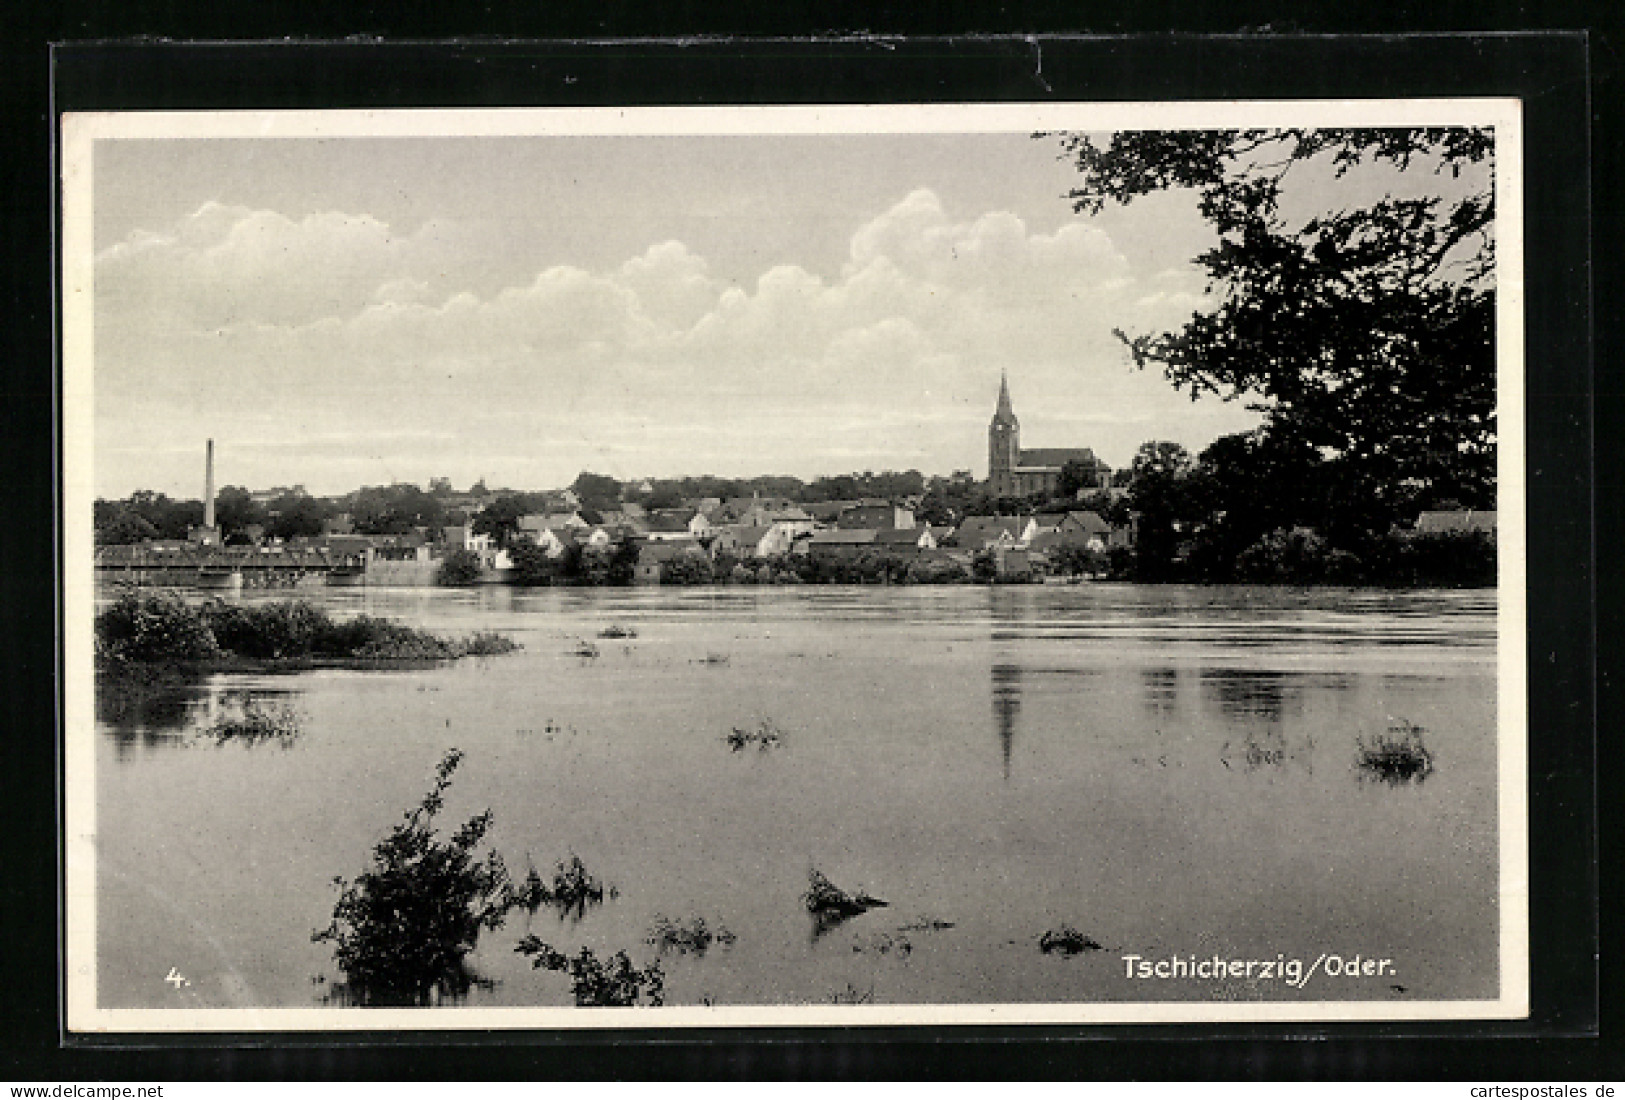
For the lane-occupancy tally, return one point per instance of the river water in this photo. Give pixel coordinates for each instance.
(1170, 771)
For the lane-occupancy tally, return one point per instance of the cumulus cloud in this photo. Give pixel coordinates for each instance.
(339, 323)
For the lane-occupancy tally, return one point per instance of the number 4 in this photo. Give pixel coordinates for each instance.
(175, 976)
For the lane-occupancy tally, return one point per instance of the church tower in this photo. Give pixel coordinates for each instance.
(1003, 444)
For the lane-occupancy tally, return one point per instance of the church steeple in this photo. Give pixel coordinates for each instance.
(1004, 414)
(1003, 444)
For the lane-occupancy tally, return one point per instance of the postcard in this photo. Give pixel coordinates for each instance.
(819, 565)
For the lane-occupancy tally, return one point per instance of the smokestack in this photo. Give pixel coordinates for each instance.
(208, 488)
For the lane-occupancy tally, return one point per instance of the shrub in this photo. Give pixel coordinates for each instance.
(572, 890)
(154, 628)
(403, 929)
(1395, 757)
(1297, 556)
(460, 568)
(596, 984)
(1067, 941)
(686, 569)
(687, 937)
(532, 568)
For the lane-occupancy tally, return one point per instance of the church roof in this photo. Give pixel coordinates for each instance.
(1056, 456)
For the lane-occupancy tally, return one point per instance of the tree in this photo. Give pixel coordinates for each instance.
(1161, 495)
(597, 491)
(1075, 475)
(394, 509)
(460, 568)
(117, 526)
(1365, 333)
(295, 515)
(500, 517)
(532, 568)
(235, 511)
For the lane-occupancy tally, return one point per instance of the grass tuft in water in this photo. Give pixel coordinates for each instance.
(1066, 940)
(596, 983)
(764, 735)
(690, 937)
(1397, 756)
(572, 889)
(830, 905)
(250, 721)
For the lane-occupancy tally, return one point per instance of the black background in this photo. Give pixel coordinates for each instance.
(1568, 83)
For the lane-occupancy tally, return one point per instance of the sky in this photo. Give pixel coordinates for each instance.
(361, 311)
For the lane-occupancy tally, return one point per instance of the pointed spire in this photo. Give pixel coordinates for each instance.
(1004, 413)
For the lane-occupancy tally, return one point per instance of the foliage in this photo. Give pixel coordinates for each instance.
(459, 568)
(1071, 559)
(597, 491)
(1364, 334)
(154, 628)
(1067, 941)
(1075, 475)
(532, 568)
(597, 984)
(249, 720)
(687, 569)
(764, 735)
(984, 567)
(690, 937)
(161, 628)
(121, 527)
(295, 514)
(500, 517)
(402, 930)
(168, 519)
(1297, 556)
(393, 509)
(1396, 757)
(571, 891)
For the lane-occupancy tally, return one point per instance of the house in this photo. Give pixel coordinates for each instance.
(569, 517)
(982, 532)
(840, 542)
(826, 511)
(678, 523)
(905, 539)
(653, 555)
(876, 514)
(746, 541)
(1438, 523)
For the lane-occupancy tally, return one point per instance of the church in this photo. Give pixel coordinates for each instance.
(1013, 472)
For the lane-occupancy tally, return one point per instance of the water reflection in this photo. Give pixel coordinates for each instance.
(1160, 688)
(1245, 696)
(1006, 705)
(146, 710)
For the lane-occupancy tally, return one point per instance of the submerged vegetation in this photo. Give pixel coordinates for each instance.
(402, 930)
(830, 905)
(596, 983)
(1397, 756)
(690, 937)
(148, 629)
(1066, 940)
(249, 720)
(764, 735)
(571, 891)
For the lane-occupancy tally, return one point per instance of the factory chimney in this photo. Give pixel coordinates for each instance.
(208, 488)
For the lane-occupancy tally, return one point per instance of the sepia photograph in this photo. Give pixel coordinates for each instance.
(794, 566)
